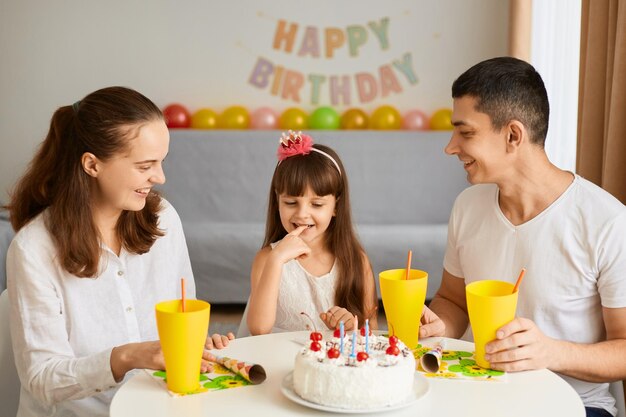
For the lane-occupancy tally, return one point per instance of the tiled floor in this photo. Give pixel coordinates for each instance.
(226, 317)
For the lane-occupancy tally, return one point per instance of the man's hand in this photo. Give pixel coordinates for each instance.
(521, 346)
(431, 324)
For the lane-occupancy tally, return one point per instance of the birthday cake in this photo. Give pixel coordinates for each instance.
(378, 372)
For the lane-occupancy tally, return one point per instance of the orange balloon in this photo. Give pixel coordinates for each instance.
(293, 118)
(354, 119)
(386, 118)
(235, 117)
(441, 120)
(204, 119)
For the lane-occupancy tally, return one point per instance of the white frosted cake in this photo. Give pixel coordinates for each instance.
(384, 377)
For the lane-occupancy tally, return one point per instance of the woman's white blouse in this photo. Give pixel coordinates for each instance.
(64, 328)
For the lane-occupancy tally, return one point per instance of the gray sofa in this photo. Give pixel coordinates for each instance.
(6, 234)
(402, 188)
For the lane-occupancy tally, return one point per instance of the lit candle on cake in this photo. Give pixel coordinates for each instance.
(367, 336)
(341, 334)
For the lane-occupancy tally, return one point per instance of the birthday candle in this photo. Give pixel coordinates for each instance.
(367, 336)
(353, 353)
(341, 334)
(354, 332)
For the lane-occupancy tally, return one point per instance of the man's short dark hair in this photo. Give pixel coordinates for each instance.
(506, 89)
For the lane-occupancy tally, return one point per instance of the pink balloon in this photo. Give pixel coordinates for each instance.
(415, 120)
(264, 118)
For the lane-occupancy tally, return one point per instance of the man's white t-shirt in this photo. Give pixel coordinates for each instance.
(574, 253)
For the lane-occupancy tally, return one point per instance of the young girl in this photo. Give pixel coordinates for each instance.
(96, 248)
(311, 260)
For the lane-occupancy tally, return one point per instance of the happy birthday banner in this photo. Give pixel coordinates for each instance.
(364, 86)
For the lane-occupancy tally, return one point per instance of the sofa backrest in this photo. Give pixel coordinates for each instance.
(397, 177)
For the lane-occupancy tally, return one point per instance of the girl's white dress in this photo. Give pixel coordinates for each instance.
(301, 291)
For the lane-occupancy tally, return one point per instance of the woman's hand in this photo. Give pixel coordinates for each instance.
(218, 341)
(336, 314)
(144, 355)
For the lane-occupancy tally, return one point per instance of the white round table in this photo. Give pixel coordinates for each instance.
(535, 393)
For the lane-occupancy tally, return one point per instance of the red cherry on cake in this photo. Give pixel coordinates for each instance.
(333, 353)
(363, 331)
(336, 333)
(316, 346)
(393, 350)
(315, 336)
(393, 339)
(362, 356)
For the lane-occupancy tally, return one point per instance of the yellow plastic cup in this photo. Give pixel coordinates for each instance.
(403, 300)
(183, 336)
(490, 305)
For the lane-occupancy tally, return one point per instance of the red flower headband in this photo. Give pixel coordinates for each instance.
(292, 143)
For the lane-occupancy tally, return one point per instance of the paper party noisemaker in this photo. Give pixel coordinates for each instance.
(251, 372)
(431, 360)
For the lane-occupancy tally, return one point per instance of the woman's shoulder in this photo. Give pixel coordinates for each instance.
(168, 215)
(34, 236)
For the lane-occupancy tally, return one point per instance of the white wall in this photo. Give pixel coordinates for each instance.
(202, 53)
(555, 53)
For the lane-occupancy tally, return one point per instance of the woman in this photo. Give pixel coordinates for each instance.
(96, 248)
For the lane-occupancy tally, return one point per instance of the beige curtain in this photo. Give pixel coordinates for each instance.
(601, 151)
(520, 18)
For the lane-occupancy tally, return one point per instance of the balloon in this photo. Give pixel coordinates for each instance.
(415, 120)
(204, 119)
(441, 120)
(264, 118)
(324, 118)
(354, 119)
(385, 118)
(235, 117)
(293, 118)
(176, 116)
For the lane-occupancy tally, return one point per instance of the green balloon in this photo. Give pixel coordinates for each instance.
(324, 118)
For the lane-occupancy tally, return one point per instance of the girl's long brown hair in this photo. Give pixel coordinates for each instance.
(292, 176)
(102, 123)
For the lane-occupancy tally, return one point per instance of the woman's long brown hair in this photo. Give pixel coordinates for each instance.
(292, 176)
(102, 123)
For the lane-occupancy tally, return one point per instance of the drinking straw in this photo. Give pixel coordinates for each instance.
(182, 292)
(408, 264)
(519, 280)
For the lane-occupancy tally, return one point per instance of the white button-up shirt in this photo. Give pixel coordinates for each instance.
(64, 327)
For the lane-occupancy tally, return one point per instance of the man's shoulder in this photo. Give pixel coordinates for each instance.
(483, 193)
(597, 199)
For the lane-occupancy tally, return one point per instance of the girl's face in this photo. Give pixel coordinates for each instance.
(124, 181)
(311, 210)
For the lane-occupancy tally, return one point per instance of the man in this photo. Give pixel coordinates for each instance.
(523, 211)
